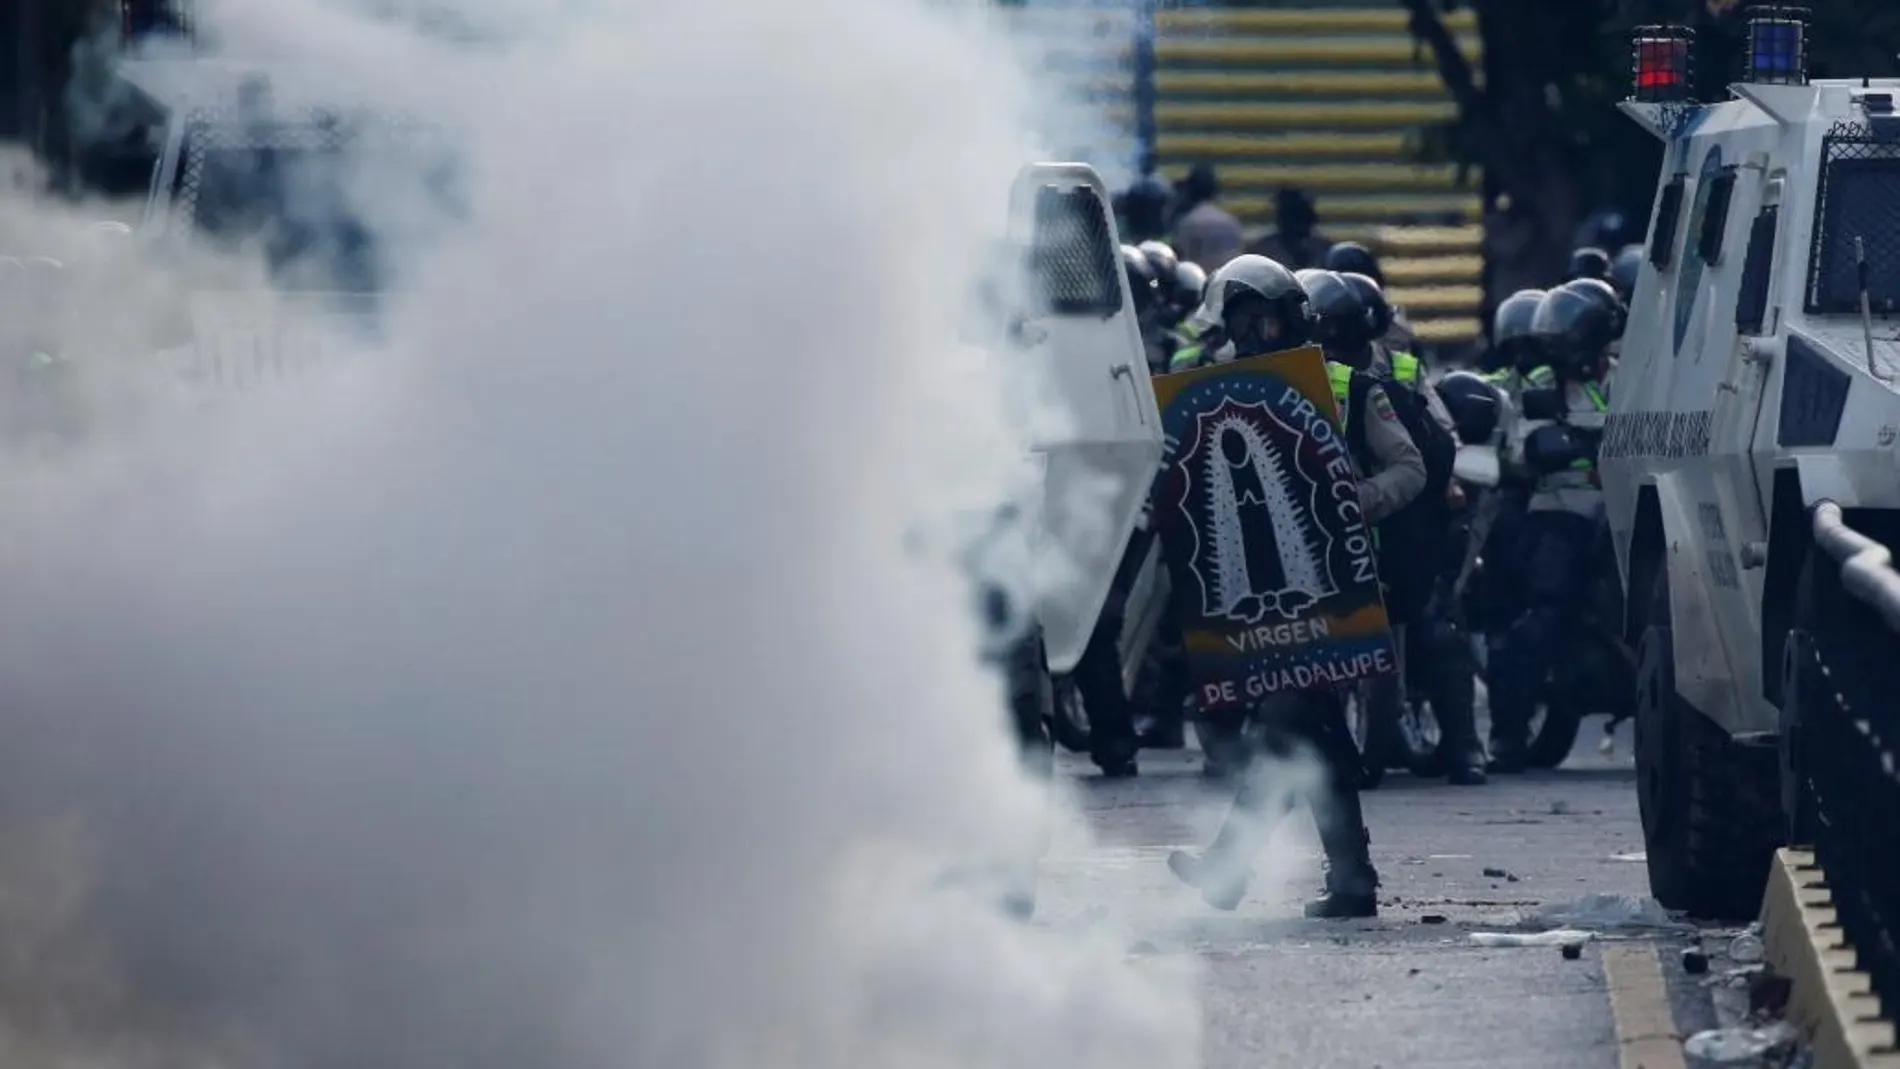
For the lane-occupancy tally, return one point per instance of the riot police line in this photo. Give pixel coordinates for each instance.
(1481, 487)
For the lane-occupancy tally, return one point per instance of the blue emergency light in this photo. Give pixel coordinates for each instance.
(1663, 63)
(1777, 46)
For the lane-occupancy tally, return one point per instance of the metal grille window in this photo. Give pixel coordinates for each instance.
(1708, 244)
(1751, 304)
(1859, 198)
(1073, 261)
(1662, 231)
(284, 186)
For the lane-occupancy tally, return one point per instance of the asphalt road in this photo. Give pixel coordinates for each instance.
(1412, 988)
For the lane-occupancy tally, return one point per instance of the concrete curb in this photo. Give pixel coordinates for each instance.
(1831, 1002)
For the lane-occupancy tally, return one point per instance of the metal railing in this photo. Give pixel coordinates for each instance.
(1844, 736)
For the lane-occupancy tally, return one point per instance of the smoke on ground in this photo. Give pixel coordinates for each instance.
(542, 679)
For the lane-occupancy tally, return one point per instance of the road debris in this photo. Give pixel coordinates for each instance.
(1556, 937)
(1746, 949)
(1694, 962)
(1731, 1046)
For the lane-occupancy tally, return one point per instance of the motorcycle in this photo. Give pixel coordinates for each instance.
(1595, 676)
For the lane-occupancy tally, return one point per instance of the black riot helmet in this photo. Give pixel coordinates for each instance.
(1475, 405)
(1576, 324)
(1342, 323)
(1624, 269)
(1513, 345)
(1161, 256)
(1142, 284)
(1190, 284)
(1372, 295)
(1589, 262)
(1352, 257)
(1258, 306)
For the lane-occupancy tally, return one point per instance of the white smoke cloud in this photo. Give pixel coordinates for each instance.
(550, 683)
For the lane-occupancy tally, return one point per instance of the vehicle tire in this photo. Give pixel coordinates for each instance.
(1555, 734)
(1032, 703)
(1069, 717)
(1371, 767)
(1799, 681)
(1709, 806)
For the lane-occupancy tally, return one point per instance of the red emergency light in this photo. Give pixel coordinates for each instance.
(1664, 63)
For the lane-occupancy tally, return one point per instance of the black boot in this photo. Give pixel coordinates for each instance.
(1352, 884)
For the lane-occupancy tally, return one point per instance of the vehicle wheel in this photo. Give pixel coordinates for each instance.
(1032, 709)
(1371, 769)
(1799, 681)
(1032, 703)
(1554, 729)
(1069, 717)
(1709, 806)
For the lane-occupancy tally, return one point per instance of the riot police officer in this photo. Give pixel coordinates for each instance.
(1624, 269)
(1577, 325)
(1262, 308)
(1437, 657)
(1588, 262)
(1145, 288)
(1514, 359)
(1350, 257)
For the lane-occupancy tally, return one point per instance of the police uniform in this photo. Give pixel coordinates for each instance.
(1555, 546)
(1391, 473)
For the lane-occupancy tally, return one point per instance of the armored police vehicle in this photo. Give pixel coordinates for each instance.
(1759, 379)
(1068, 334)
(238, 167)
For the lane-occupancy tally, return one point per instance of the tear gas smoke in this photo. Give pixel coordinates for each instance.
(547, 683)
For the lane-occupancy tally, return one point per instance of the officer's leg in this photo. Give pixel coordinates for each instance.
(1112, 741)
(1351, 882)
(1523, 661)
(1266, 794)
(1385, 702)
(1447, 672)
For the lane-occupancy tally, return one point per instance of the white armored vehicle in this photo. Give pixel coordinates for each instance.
(1758, 394)
(1068, 326)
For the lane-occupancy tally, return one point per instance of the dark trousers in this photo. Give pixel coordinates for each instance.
(1556, 560)
(1112, 739)
(1288, 725)
(1438, 661)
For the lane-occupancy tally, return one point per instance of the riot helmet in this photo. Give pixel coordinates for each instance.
(1372, 295)
(1624, 269)
(1576, 324)
(1354, 258)
(1258, 306)
(1475, 405)
(1513, 344)
(1162, 258)
(1589, 262)
(1142, 284)
(1190, 283)
(1341, 321)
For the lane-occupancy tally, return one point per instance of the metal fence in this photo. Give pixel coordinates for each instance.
(1845, 740)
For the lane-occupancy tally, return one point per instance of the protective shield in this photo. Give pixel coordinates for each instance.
(1273, 563)
(1097, 438)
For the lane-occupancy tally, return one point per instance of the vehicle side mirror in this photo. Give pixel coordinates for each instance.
(1544, 402)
